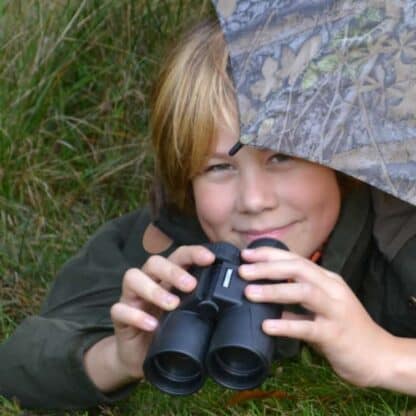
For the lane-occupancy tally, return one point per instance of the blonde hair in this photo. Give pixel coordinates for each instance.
(194, 93)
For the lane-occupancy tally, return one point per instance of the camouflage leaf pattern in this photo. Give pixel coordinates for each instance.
(330, 81)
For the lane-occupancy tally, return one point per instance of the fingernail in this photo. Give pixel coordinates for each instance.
(150, 323)
(169, 299)
(255, 290)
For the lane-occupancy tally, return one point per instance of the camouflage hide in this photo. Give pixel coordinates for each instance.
(333, 82)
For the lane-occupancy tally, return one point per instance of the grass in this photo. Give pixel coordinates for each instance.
(74, 81)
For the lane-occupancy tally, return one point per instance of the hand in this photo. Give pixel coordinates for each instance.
(338, 325)
(145, 295)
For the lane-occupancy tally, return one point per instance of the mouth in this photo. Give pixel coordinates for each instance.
(277, 233)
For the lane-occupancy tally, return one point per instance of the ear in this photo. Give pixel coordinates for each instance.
(155, 241)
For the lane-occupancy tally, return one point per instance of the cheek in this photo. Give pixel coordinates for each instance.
(321, 199)
(213, 208)
(326, 200)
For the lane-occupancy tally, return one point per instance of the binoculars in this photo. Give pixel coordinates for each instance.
(215, 331)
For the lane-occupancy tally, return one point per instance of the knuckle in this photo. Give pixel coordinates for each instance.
(157, 292)
(199, 251)
(130, 276)
(267, 252)
(339, 292)
(153, 262)
(180, 255)
(307, 291)
(305, 263)
(175, 281)
(174, 273)
(298, 264)
(310, 332)
(190, 254)
(184, 250)
(115, 310)
(269, 292)
(335, 276)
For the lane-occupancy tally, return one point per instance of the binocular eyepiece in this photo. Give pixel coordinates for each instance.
(215, 331)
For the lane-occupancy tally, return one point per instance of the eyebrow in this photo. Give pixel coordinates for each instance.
(220, 155)
(227, 153)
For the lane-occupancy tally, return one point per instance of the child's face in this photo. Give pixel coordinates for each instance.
(259, 193)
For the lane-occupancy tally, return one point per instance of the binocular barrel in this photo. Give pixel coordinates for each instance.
(175, 361)
(215, 331)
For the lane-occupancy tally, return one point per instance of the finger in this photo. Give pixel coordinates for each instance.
(309, 296)
(124, 315)
(304, 330)
(292, 316)
(138, 285)
(298, 269)
(265, 254)
(186, 256)
(270, 254)
(164, 270)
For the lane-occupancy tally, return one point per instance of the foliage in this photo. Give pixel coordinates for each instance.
(74, 82)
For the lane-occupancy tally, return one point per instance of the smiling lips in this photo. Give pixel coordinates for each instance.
(277, 233)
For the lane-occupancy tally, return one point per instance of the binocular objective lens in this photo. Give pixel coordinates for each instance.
(238, 361)
(176, 366)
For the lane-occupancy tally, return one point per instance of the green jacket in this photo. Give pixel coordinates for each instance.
(41, 363)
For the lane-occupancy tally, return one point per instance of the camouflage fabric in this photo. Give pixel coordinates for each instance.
(330, 81)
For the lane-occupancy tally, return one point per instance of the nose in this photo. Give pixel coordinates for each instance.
(256, 191)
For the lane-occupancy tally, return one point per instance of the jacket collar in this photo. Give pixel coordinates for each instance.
(347, 247)
(184, 230)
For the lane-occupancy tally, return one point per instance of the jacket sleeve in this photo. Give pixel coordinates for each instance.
(41, 364)
(395, 234)
(394, 223)
(400, 295)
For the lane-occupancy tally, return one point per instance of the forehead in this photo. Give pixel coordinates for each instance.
(226, 141)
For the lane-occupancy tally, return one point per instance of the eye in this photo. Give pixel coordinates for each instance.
(279, 158)
(218, 167)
